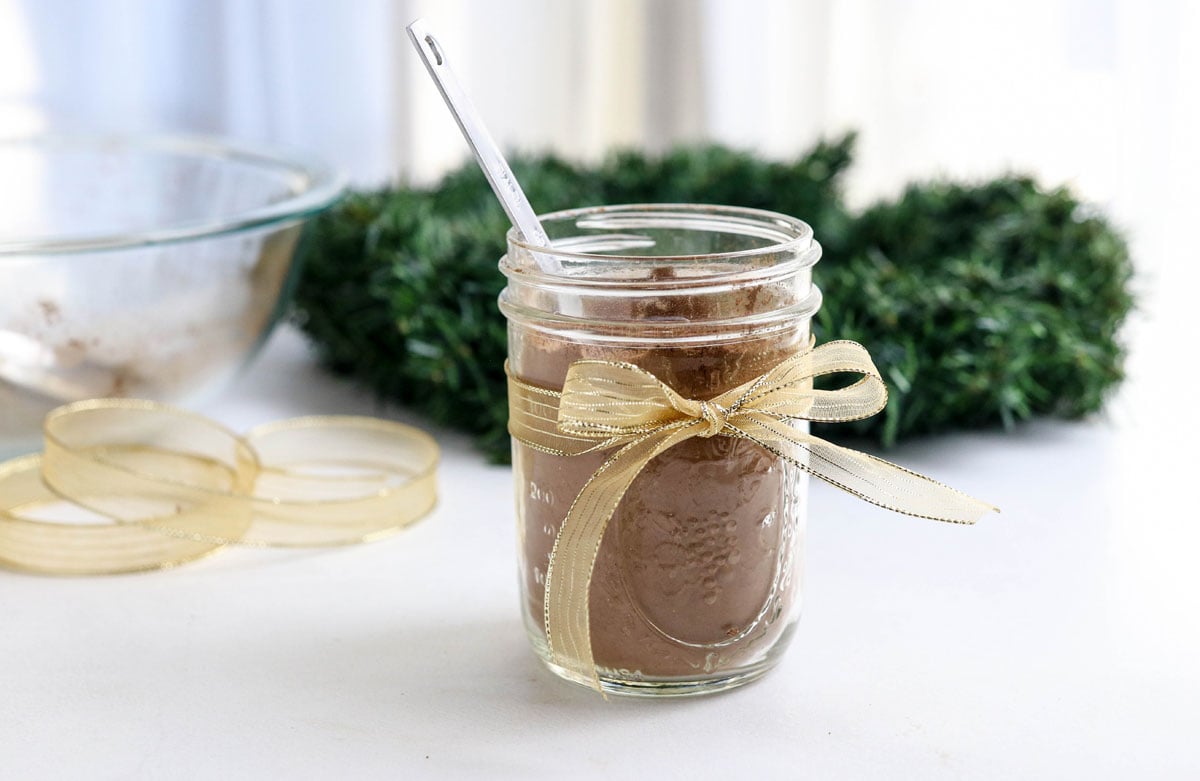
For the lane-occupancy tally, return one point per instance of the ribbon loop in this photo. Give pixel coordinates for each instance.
(603, 399)
(166, 486)
(607, 404)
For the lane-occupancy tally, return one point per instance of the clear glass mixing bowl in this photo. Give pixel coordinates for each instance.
(142, 267)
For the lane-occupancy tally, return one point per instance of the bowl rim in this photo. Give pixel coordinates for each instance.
(318, 186)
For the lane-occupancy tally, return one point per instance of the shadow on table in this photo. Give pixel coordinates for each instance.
(477, 681)
(477, 666)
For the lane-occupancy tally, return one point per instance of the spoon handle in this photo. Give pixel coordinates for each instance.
(494, 166)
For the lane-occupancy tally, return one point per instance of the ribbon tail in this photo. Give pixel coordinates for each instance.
(869, 478)
(569, 575)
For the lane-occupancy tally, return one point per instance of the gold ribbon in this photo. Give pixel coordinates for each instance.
(167, 486)
(605, 405)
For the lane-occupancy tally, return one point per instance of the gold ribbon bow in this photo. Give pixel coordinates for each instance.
(606, 404)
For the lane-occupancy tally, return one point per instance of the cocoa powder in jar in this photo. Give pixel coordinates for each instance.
(696, 573)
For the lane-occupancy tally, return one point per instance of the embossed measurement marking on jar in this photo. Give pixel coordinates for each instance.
(543, 495)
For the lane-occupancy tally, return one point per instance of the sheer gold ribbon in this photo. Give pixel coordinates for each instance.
(605, 405)
(163, 486)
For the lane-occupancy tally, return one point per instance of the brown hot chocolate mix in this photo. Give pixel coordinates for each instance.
(694, 574)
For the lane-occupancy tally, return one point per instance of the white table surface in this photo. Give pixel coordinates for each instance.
(1060, 639)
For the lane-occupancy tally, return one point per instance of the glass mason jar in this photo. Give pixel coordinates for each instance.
(697, 582)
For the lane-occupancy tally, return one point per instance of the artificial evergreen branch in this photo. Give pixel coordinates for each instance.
(981, 304)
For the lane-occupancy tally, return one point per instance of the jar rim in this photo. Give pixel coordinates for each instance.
(788, 236)
(752, 221)
(663, 333)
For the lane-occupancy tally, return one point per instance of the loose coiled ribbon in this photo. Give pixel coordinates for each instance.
(607, 405)
(161, 486)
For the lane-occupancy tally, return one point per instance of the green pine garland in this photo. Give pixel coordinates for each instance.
(981, 304)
